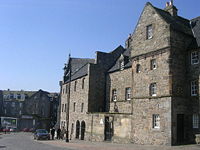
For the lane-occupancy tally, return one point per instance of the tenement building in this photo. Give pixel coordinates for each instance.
(28, 109)
(145, 93)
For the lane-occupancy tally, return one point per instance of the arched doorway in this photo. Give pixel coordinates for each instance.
(77, 129)
(82, 130)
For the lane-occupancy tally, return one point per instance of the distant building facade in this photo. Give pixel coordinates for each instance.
(30, 108)
(146, 93)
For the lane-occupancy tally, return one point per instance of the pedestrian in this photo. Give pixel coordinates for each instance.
(52, 133)
(58, 133)
(63, 133)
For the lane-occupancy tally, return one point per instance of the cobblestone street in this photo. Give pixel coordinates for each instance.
(24, 141)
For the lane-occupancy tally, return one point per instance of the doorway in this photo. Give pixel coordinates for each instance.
(180, 128)
(77, 129)
(108, 132)
(82, 130)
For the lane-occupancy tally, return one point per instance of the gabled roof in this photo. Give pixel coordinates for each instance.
(177, 23)
(81, 72)
(195, 25)
(116, 66)
(40, 93)
(78, 63)
(79, 67)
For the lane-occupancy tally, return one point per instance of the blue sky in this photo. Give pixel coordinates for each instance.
(36, 36)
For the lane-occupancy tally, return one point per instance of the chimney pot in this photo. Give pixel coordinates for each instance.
(167, 4)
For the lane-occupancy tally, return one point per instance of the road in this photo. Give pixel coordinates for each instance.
(24, 141)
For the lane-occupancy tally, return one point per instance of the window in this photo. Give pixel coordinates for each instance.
(122, 65)
(20, 105)
(75, 84)
(74, 107)
(138, 68)
(83, 83)
(11, 96)
(194, 88)
(20, 112)
(66, 88)
(82, 106)
(128, 93)
(65, 107)
(18, 96)
(156, 121)
(153, 64)
(114, 95)
(149, 29)
(62, 107)
(195, 121)
(13, 104)
(153, 89)
(194, 58)
(63, 90)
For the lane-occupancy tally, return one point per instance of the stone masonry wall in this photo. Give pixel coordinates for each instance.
(161, 32)
(119, 80)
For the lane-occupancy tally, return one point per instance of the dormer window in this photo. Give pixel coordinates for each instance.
(149, 32)
(122, 65)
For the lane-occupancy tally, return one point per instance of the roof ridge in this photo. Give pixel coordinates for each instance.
(195, 18)
(82, 58)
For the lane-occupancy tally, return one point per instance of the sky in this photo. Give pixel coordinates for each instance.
(36, 36)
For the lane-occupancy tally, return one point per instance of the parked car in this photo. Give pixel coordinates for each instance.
(25, 130)
(32, 130)
(13, 129)
(41, 134)
(7, 129)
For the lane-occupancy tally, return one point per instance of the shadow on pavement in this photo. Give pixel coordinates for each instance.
(2, 146)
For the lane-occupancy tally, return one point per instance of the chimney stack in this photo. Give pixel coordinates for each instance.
(171, 8)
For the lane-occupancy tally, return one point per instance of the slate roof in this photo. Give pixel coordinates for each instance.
(28, 93)
(78, 63)
(195, 25)
(79, 67)
(177, 23)
(81, 72)
(116, 67)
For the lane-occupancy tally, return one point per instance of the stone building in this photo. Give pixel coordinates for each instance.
(146, 93)
(37, 111)
(30, 108)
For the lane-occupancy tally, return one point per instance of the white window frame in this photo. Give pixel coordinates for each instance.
(128, 93)
(153, 89)
(114, 95)
(156, 121)
(149, 32)
(194, 57)
(194, 88)
(195, 121)
(153, 64)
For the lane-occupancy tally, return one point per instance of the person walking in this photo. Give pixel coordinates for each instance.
(52, 133)
(58, 133)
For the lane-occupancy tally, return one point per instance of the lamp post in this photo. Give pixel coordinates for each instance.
(68, 100)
